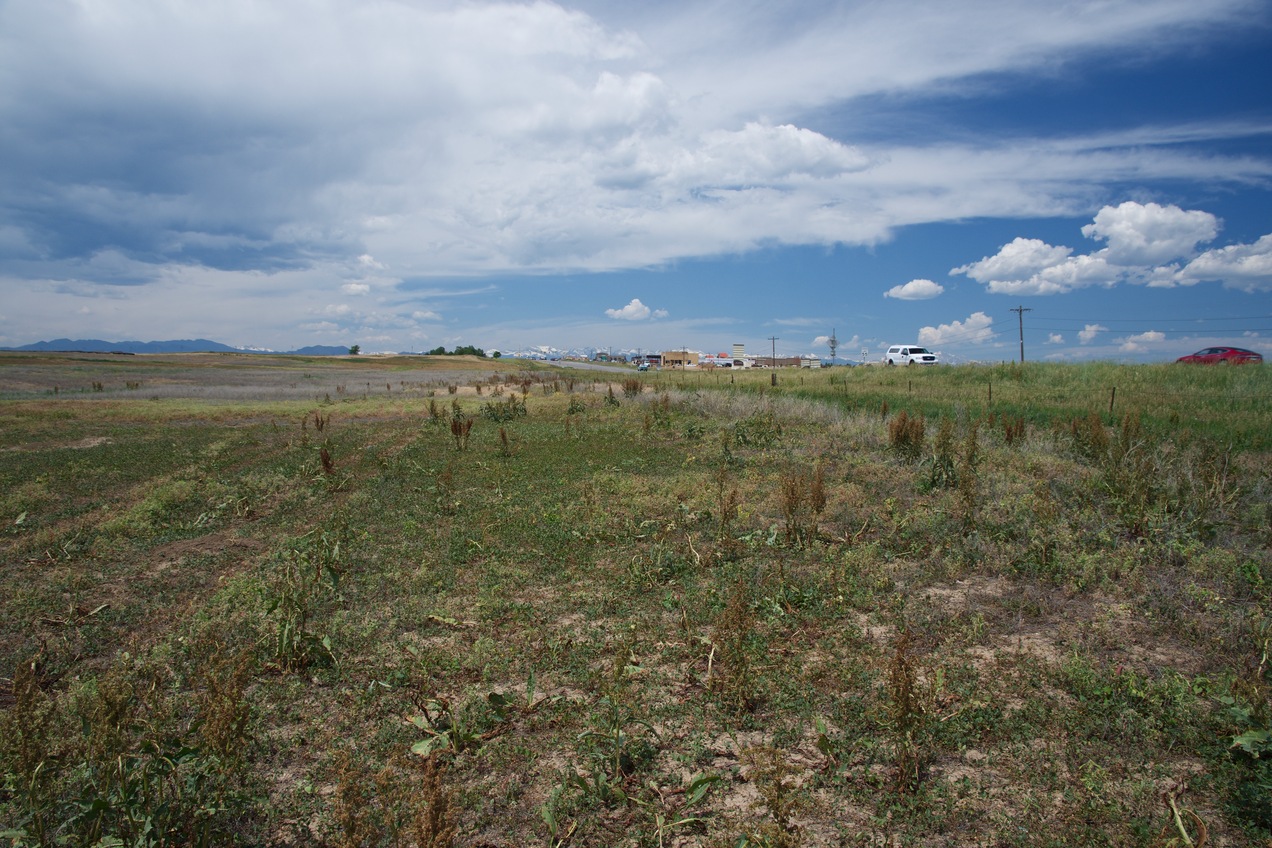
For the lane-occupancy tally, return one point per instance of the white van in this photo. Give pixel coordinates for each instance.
(909, 355)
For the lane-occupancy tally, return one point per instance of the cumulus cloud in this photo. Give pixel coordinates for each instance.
(759, 154)
(841, 344)
(1141, 342)
(1055, 338)
(1033, 267)
(1146, 243)
(1021, 258)
(915, 290)
(635, 311)
(1247, 267)
(509, 138)
(977, 329)
(1149, 234)
(1088, 333)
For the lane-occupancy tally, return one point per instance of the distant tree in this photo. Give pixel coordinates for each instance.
(462, 350)
(354, 350)
(496, 355)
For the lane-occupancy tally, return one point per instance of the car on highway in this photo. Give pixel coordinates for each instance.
(1221, 356)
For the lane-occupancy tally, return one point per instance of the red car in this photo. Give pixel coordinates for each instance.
(1222, 356)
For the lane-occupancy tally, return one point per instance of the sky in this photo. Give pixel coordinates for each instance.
(1092, 175)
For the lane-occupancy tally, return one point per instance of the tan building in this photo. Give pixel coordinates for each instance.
(679, 359)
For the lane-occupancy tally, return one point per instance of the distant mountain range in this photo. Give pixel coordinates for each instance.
(173, 346)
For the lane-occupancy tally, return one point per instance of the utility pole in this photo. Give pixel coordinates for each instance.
(773, 359)
(1020, 314)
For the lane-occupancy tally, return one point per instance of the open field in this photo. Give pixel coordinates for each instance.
(442, 601)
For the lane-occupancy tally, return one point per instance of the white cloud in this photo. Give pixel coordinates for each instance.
(1021, 258)
(915, 290)
(635, 311)
(1139, 236)
(759, 154)
(509, 138)
(842, 345)
(800, 322)
(1148, 234)
(977, 329)
(1055, 338)
(1247, 267)
(1141, 342)
(1026, 267)
(425, 315)
(1088, 333)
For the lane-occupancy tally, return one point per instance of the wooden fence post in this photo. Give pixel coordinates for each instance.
(1112, 397)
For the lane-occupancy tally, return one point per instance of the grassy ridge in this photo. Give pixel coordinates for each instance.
(692, 612)
(1232, 404)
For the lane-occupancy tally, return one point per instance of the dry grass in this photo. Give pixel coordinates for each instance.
(751, 601)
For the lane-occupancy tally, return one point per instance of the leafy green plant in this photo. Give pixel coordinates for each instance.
(445, 727)
(135, 774)
(763, 430)
(667, 822)
(510, 409)
(619, 742)
(302, 573)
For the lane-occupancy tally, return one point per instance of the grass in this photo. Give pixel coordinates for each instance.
(707, 612)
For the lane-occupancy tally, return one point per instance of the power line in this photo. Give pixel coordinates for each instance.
(1166, 330)
(1190, 319)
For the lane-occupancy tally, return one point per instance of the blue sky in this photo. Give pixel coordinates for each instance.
(402, 175)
